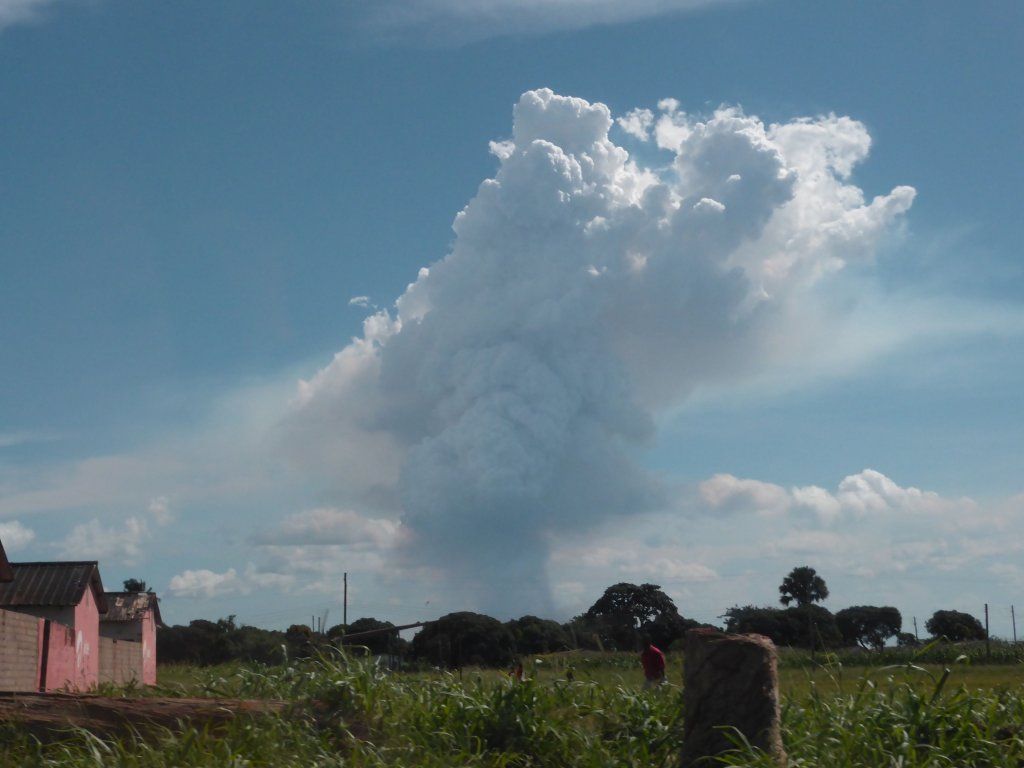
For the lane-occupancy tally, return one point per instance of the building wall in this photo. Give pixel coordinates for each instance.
(63, 672)
(87, 640)
(20, 639)
(62, 614)
(141, 633)
(121, 661)
(149, 649)
(121, 630)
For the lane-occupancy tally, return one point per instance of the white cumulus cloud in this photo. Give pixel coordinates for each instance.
(122, 541)
(15, 536)
(868, 492)
(204, 583)
(160, 510)
(637, 123)
(328, 526)
(94, 541)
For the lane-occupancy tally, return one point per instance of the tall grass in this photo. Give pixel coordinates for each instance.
(900, 724)
(350, 712)
(935, 652)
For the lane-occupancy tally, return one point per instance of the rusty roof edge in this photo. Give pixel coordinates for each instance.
(77, 576)
(153, 603)
(6, 572)
(97, 584)
(58, 562)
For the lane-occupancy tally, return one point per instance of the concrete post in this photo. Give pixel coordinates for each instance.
(730, 687)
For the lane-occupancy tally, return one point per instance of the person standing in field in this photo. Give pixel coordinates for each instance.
(653, 661)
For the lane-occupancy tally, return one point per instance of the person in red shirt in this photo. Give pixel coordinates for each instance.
(653, 661)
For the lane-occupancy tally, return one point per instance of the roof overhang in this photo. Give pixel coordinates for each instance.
(6, 572)
(97, 588)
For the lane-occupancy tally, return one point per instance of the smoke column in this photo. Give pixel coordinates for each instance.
(501, 399)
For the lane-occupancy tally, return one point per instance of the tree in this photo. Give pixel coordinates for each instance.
(626, 610)
(135, 585)
(955, 626)
(669, 628)
(301, 640)
(465, 638)
(536, 635)
(214, 642)
(383, 642)
(800, 626)
(757, 620)
(583, 633)
(802, 586)
(869, 625)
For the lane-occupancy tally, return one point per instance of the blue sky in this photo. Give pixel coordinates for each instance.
(191, 194)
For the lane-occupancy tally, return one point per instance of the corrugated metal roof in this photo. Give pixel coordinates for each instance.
(55, 584)
(6, 573)
(129, 606)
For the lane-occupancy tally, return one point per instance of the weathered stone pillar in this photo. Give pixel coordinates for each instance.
(730, 682)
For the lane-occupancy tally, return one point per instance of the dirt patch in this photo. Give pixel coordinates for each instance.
(46, 714)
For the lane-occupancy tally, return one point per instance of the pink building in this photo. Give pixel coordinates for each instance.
(128, 637)
(70, 597)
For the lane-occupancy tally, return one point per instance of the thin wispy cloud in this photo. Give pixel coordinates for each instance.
(21, 11)
(465, 20)
(16, 439)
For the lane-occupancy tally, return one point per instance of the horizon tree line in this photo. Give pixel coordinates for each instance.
(616, 621)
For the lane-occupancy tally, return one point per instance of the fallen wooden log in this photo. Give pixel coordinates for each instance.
(47, 714)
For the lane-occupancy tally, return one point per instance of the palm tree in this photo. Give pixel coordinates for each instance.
(802, 586)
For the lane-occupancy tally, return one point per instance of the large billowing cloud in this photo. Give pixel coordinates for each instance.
(585, 293)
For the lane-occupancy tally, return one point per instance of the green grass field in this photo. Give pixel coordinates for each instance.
(349, 712)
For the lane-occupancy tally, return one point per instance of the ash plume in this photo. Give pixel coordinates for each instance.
(502, 399)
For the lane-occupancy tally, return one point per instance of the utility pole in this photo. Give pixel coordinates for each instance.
(916, 636)
(1013, 618)
(344, 601)
(988, 650)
